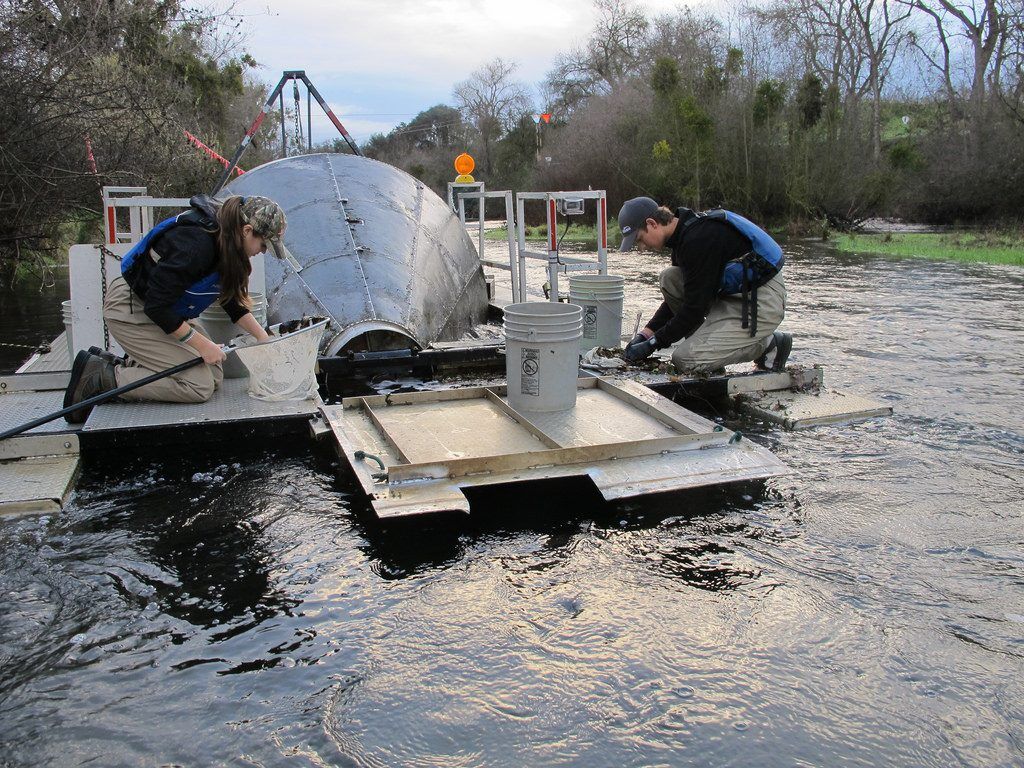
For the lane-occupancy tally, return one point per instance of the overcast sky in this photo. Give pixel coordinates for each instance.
(380, 62)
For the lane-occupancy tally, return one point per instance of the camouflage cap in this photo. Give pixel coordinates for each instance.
(265, 216)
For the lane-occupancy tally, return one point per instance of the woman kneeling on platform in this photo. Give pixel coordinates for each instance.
(181, 267)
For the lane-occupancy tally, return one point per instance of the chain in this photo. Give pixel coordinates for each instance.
(104, 252)
(43, 348)
(298, 118)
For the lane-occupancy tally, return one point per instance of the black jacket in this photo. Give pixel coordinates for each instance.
(187, 254)
(701, 250)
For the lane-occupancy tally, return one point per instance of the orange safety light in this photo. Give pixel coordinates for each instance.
(464, 164)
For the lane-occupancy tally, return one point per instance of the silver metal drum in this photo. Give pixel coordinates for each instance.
(382, 256)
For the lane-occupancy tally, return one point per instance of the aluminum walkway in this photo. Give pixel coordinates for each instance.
(38, 467)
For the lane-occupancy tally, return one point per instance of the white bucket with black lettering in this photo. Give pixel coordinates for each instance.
(542, 355)
(68, 314)
(218, 326)
(601, 298)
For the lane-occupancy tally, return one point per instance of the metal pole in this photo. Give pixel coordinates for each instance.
(521, 243)
(309, 122)
(248, 136)
(517, 295)
(552, 248)
(103, 397)
(482, 202)
(337, 123)
(284, 139)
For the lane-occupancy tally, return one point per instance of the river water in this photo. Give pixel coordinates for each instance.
(867, 609)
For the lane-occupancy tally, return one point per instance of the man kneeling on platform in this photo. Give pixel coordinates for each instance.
(724, 294)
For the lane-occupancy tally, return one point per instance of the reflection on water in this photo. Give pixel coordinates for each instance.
(244, 607)
(30, 315)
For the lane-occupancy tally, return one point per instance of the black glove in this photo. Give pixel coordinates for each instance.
(639, 350)
(636, 339)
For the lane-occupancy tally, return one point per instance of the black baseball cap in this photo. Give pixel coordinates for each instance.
(632, 216)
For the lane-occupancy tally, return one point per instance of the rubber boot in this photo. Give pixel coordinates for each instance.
(91, 375)
(110, 357)
(782, 345)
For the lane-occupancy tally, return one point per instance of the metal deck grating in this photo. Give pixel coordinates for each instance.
(231, 403)
(18, 408)
(57, 359)
(38, 484)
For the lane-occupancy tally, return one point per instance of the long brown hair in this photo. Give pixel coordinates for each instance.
(234, 266)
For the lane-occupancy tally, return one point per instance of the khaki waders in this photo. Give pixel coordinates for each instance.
(722, 340)
(151, 350)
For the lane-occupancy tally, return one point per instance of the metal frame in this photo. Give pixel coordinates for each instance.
(413, 480)
(140, 207)
(482, 196)
(278, 91)
(140, 212)
(557, 263)
(694, 434)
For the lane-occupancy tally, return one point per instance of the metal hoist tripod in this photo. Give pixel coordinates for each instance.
(278, 94)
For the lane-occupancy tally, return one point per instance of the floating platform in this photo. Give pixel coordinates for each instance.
(623, 436)
(415, 453)
(38, 468)
(805, 409)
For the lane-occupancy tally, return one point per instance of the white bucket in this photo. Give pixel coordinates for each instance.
(542, 355)
(218, 326)
(68, 314)
(283, 368)
(601, 298)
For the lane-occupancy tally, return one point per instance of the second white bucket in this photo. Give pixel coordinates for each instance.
(219, 328)
(601, 297)
(542, 355)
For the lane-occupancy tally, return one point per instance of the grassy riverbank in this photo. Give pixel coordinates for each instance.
(577, 233)
(989, 247)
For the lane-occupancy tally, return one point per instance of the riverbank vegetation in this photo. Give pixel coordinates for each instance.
(786, 110)
(575, 233)
(101, 93)
(993, 247)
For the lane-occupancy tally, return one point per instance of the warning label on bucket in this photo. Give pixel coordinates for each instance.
(589, 321)
(530, 366)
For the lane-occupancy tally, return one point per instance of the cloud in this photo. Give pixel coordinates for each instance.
(399, 57)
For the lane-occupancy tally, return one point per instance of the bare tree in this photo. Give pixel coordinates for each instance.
(493, 103)
(880, 32)
(985, 26)
(610, 55)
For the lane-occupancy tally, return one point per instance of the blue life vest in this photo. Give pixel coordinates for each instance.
(198, 296)
(764, 261)
(751, 270)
